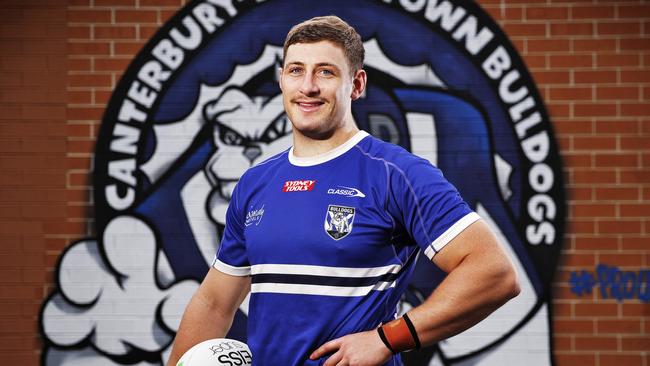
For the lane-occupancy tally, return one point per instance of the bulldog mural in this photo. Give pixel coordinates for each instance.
(200, 104)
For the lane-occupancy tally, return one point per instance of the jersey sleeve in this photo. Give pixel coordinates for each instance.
(232, 256)
(428, 207)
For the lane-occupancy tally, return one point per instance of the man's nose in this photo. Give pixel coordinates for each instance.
(309, 86)
(252, 152)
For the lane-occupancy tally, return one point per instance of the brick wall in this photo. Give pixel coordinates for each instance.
(591, 62)
(590, 59)
(33, 164)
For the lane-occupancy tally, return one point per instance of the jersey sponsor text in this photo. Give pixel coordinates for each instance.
(346, 191)
(298, 185)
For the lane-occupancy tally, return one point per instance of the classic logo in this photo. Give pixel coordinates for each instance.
(298, 185)
(254, 216)
(338, 221)
(346, 191)
(201, 104)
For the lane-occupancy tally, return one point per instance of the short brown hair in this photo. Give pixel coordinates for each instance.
(329, 28)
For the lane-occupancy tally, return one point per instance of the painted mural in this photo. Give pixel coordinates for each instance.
(200, 104)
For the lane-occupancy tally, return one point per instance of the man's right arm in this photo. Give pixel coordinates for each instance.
(210, 312)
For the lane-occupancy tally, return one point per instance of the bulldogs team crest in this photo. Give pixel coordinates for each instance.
(200, 104)
(338, 221)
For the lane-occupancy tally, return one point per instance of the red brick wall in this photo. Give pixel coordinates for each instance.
(591, 63)
(590, 60)
(33, 164)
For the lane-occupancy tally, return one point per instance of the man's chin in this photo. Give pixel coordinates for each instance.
(315, 133)
(314, 130)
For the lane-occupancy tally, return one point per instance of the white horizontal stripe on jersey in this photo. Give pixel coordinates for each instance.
(330, 271)
(301, 289)
(324, 274)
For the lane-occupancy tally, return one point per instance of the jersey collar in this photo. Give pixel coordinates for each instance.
(329, 155)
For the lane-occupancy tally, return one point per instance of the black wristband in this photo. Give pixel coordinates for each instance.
(382, 336)
(412, 330)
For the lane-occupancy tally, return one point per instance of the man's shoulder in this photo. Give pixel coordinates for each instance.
(392, 154)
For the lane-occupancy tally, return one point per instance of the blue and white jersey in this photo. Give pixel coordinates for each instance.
(330, 242)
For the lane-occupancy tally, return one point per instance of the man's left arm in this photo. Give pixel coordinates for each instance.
(480, 278)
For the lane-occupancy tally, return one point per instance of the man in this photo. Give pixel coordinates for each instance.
(325, 235)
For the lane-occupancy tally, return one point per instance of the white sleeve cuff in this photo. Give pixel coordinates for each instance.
(450, 234)
(231, 270)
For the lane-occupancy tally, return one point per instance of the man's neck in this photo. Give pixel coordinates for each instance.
(304, 146)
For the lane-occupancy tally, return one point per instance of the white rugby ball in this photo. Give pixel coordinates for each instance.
(217, 352)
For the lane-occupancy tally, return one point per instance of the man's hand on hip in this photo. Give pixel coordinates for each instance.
(358, 349)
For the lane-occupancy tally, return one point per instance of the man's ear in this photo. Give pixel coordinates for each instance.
(358, 84)
(279, 77)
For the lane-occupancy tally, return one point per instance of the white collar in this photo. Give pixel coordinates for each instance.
(329, 155)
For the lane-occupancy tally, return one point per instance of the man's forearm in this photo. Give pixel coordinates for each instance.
(210, 312)
(473, 290)
(200, 322)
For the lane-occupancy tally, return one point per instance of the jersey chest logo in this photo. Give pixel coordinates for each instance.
(254, 216)
(338, 221)
(346, 191)
(298, 185)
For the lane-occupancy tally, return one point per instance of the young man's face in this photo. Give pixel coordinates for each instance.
(317, 88)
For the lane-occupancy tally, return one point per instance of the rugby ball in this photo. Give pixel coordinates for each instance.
(217, 352)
